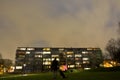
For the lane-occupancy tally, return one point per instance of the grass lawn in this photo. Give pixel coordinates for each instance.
(70, 76)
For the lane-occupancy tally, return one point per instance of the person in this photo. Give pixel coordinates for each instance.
(62, 69)
(54, 67)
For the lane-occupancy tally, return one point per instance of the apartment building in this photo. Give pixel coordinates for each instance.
(37, 59)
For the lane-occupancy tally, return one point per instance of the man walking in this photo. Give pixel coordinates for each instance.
(54, 67)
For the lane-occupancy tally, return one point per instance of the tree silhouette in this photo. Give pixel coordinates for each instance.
(113, 48)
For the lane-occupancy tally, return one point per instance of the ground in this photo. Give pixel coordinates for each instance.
(70, 76)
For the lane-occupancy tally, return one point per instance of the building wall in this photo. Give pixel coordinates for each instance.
(35, 59)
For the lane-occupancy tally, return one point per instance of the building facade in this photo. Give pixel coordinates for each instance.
(35, 59)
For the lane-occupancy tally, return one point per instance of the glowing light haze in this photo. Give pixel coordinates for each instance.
(57, 23)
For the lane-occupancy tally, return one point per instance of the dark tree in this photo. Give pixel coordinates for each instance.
(113, 48)
(7, 63)
(117, 55)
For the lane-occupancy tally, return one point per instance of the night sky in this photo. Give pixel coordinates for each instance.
(57, 23)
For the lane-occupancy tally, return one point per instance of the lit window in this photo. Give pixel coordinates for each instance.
(85, 58)
(56, 59)
(69, 55)
(30, 48)
(78, 55)
(18, 67)
(46, 52)
(46, 49)
(46, 63)
(71, 52)
(38, 55)
(27, 52)
(84, 52)
(55, 55)
(86, 62)
(22, 48)
(77, 58)
(46, 59)
(77, 63)
(71, 66)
